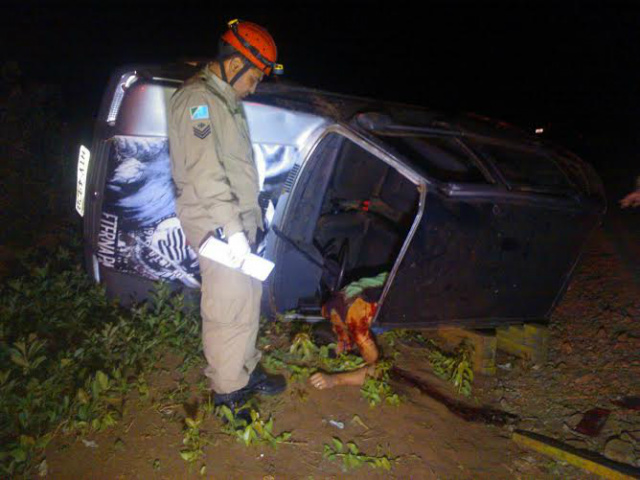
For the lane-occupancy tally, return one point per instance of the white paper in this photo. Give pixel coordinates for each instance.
(252, 265)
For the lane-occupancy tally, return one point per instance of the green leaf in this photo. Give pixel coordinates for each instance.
(337, 444)
(27, 441)
(353, 448)
(82, 396)
(103, 380)
(246, 436)
(18, 359)
(228, 414)
(96, 424)
(187, 455)
(19, 455)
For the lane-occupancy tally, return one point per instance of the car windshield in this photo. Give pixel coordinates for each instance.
(441, 158)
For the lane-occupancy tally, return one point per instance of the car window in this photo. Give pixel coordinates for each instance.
(443, 159)
(526, 168)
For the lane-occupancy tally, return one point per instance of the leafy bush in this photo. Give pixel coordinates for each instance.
(455, 367)
(69, 356)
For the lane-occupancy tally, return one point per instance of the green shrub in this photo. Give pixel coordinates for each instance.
(69, 356)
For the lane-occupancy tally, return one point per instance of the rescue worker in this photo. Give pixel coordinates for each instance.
(216, 182)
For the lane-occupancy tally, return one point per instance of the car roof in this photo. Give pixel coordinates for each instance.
(371, 114)
(381, 117)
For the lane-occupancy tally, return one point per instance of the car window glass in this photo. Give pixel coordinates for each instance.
(526, 168)
(443, 159)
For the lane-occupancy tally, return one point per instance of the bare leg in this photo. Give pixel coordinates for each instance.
(357, 377)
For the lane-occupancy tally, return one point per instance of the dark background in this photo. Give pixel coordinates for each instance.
(569, 66)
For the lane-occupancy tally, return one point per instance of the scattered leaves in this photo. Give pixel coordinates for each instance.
(456, 367)
(256, 432)
(353, 458)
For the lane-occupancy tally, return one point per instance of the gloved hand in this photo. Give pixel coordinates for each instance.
(239, 248)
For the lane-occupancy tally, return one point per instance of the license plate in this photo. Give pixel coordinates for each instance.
(83, 168)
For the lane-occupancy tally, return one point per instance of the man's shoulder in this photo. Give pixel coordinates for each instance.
(192, 86)
(197, 88)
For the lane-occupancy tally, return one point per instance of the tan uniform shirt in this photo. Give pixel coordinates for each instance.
(212, 161)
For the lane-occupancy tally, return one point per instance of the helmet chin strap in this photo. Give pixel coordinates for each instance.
(245, 68)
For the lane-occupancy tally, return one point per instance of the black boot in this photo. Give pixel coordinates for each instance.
(265, 383)
(234, 401)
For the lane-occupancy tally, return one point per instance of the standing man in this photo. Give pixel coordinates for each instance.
(217, 190)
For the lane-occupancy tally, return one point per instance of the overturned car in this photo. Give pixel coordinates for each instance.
(476, 223)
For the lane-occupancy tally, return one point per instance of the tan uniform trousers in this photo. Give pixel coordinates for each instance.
(230, 310)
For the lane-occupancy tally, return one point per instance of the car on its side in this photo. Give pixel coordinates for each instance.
(477, 223)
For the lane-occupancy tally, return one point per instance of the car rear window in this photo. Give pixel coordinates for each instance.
(526, 168)
(443, 159)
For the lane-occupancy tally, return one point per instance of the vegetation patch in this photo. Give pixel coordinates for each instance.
(194, 439)
(353, 458)
(259, 431)
(303, 358)
(69, 357)
(454, 367)
(376, 388)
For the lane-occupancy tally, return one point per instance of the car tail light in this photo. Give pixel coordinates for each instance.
(125, 82)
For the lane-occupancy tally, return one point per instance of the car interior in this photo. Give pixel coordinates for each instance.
(361, 209)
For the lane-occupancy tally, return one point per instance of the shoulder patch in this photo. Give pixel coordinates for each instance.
(202, 130)
(199, 112)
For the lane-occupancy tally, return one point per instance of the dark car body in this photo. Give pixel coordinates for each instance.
(477, 223)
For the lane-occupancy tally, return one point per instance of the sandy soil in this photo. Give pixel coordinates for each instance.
(434, 443)
(594, 358)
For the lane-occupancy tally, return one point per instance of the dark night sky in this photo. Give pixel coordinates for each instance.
(526, 62)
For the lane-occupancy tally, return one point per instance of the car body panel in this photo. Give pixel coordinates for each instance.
(478, 254)
(481, 262)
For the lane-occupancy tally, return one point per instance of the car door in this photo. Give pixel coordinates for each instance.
(485, 254)
(448, 271)
(543, 222)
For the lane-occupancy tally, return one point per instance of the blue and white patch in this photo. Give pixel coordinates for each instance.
(199, 112)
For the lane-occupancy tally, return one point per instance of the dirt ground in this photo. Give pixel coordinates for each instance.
(594, 359)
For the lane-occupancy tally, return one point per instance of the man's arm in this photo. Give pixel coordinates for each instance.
(198, 125)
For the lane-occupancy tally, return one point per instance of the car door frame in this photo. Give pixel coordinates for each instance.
(372, 147)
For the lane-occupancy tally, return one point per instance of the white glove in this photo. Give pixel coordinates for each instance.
(239, 248)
